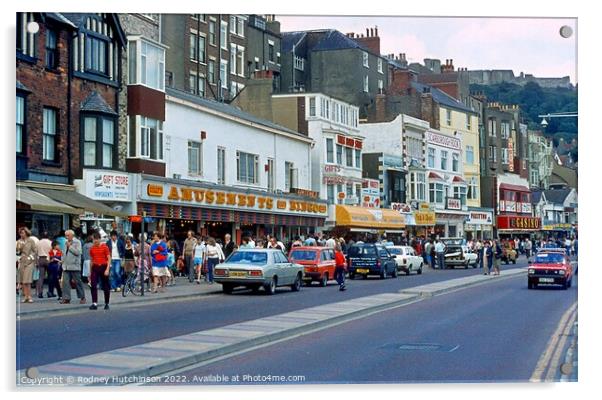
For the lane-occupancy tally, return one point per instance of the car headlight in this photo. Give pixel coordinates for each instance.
(531, 271)
(561, 272)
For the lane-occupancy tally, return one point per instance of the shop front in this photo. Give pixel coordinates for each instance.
(449, 222)
(510, 226)
(361, 223)
(419, 222)
(479, 224)
(214, 210)
(45, 207)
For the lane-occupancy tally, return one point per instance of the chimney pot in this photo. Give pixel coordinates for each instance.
(367, 32)
(376, 30)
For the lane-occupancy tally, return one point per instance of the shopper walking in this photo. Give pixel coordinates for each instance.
(129, 257)
(27, 262)
(199, 258)
(117, 248)
(487, 258)
(86, 256)
(159, 262)
(72, 264)
(497, 257)
(440, 250)
(100, 259)
(55, 257)
(214, 255)
(340, 267)
(229, 245)
(44, 247)
(528, 248)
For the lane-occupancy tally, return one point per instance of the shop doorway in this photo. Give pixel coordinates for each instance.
(177, 229)
(218, 230)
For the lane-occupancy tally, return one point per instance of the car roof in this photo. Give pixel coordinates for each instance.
(259, 250)
(311, 248)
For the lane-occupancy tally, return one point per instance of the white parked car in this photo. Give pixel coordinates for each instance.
(406, 259)
(458, 255)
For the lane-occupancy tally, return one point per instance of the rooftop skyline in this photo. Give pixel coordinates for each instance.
(529, 45)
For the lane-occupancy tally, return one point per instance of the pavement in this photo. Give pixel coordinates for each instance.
(47, 307)
(154, 358)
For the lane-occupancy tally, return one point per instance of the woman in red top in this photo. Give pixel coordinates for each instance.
(340, 265)
(54, 270)
(100, 269)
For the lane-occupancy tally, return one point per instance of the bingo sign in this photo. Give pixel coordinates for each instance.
(371, 193)
(107, 186)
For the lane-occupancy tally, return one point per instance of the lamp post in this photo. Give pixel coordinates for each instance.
(568, 114)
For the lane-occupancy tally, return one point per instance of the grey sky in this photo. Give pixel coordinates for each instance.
(529, 45)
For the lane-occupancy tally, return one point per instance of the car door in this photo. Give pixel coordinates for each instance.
(385, 257)
(285, 267)
(411, 259)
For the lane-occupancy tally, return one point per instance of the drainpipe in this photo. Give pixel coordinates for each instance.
(69, 82)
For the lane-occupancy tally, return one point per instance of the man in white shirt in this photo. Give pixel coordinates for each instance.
(331, 242)
(44, 247)
(440, 250)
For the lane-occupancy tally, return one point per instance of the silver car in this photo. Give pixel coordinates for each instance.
(256, 268)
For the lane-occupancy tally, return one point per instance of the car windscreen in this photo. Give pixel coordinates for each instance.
(549, 258)
(357, 251)
(303, 255)
(248, 257)
(395, 250)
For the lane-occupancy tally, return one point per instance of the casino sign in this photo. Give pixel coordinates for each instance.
(515, 223)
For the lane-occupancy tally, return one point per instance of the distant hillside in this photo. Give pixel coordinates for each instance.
(535, 100)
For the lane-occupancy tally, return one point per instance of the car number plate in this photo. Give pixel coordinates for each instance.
(238, 274)
(362, 271)
(546, 280)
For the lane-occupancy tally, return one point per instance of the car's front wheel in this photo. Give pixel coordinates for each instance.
(383, 273)
(394, 274)
(420, 270)
(352, 275)
(270, 287)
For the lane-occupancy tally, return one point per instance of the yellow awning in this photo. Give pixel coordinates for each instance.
(371, 218)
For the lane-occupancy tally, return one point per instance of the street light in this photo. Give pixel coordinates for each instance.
(569, 114)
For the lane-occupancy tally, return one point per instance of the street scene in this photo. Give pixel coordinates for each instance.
(257, 199)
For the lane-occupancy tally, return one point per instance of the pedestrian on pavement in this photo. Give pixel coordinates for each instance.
(276, 244)
(27, 262)
(61, 239)
(440, 250)
(497, 249)
(129, 257)
(143, 259)
(575, 247)
(214, 255)
(189, 245)
(340, 267)
(55, 270)
(44, 247)
(568, 244)
(528, 248)
(487, 258)
(199, 258)
(331, 243)
(117, 248)
(159, 262)
(297, 242)
(229, 245)
(72, 262)
(86, 256)
(171, 267)
(427, 253)
(100, 260)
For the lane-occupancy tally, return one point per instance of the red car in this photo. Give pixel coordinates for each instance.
(318, 263)
(550, 268)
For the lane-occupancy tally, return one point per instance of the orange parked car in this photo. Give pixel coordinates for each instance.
(318, 263)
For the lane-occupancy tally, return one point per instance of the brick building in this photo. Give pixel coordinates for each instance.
(67, 102)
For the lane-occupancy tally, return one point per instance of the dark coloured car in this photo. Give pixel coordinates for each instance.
(370, 259)
(550, 268)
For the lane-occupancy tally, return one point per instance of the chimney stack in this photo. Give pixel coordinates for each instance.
(376, 30)
(367, 32)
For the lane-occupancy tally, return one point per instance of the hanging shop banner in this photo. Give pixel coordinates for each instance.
(371, 193)
(176, 194)
(480, 218)
(401, 207)
(510, 154)
(107, 185)
(425, 217)
(454, 204)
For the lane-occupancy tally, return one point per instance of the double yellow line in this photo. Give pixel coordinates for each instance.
(550, 359)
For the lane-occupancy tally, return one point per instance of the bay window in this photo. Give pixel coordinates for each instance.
(99, 139)
(358, 158)
(339, 154)
(145, 138)
(312, 106)
(146, 64)
(417, 186)
(348, 156)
